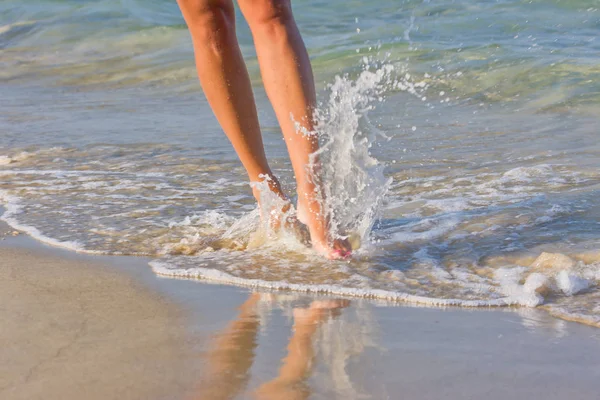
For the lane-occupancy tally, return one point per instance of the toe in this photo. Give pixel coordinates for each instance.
(340, 254)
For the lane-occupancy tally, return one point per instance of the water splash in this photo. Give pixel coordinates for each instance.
(351, 182)
(354, 184)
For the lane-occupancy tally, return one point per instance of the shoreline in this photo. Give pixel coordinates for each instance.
(213, 277)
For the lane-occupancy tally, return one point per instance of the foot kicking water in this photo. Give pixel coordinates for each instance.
(288, 79)
(308, 223)
(311, 214)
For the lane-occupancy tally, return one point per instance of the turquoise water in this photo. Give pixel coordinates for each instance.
(474, 129)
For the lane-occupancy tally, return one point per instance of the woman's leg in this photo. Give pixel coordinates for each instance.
(226, 84)
(289, 82)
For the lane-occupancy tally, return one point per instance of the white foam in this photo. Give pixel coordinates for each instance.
(525, 295)
(426, 229)
(571, 284)
(166, 269)
(213, 218)
(13, 208)
(535, 282)
(6, 160)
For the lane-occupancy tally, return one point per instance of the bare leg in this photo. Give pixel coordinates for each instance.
(226, 84)
(289, 82)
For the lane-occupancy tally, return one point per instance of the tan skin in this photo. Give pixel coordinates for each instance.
(231, 356)
(290, 384)
(289, 83)
(233, 350)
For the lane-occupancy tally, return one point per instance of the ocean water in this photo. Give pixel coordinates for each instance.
(460, 144)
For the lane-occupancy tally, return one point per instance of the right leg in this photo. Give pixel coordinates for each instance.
(226, 83)
(288, 79)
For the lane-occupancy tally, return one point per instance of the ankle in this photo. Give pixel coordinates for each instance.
(269, 182)
(310, 204)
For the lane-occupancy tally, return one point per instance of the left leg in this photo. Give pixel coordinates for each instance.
(226, 83)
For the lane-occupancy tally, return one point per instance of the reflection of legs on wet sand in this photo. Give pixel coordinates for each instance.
(233, 352)
(232, 357)
(290, 383)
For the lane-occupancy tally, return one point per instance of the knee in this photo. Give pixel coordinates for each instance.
(270, 17)
(209, 21)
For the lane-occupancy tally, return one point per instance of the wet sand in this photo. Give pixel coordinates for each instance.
(76, 329)
(90, 327)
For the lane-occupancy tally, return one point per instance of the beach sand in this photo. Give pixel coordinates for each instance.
(93, 327)
(75, 329)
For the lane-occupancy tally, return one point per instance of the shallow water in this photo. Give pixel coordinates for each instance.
(461, 143)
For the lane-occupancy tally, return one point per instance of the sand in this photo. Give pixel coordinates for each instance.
(93, 327)
(74, 329)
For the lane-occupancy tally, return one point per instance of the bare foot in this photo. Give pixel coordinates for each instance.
(276, 210)
(311, 216)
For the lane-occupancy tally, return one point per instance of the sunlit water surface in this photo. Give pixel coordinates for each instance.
(460, 144)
